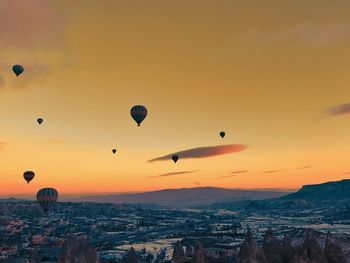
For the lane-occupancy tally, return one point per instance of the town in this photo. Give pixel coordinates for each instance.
(30, 235)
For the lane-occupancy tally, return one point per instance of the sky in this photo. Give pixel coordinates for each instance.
(274, 75)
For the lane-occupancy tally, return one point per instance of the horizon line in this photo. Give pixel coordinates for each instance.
(70, 194)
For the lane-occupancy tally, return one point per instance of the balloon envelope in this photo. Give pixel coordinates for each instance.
(46, 198)
(17, 69)
(138, 113)
(40, 121)
(222, 134)
(175, 158)
(28, 176)
(114, 150)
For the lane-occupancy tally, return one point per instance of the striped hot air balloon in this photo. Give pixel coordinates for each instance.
(28, 176)
(138, 113)
(46, 198)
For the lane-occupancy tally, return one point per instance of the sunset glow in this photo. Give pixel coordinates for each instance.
(276, 82)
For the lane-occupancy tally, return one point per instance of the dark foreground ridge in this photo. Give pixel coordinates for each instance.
(272, 250)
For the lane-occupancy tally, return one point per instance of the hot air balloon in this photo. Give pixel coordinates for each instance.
(17, 69)
(138, 113)
(46, 198)
(40, 121)
(175, 158)
(114, 151)
(222, 134)
(28, 176)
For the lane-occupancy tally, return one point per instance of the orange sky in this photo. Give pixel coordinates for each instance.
(263, 71)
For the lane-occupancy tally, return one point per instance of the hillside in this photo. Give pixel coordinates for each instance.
(184, 197)
(337, 190)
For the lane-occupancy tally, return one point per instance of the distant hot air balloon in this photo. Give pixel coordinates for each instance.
(138, 113)
(222, 134)
(175, 158)
(28, 176)
(114, 151)
(40, 121)
(46, 198)
(17, 69)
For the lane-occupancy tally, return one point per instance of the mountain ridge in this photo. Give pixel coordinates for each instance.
(183, 197)
(332, 190)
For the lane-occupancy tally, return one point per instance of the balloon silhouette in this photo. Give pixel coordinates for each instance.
(138, 113)
(114, 151)
(28, 176)
(17, 69)
(40, 121)
(222, 134)
(46, 197)
(175, 158)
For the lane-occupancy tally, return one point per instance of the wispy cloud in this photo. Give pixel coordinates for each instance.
(203, 152)
(197, 183)
(27, 24)
(271, 171)
(305, 32)
(304, 167)
(239, 172)
(339, 110)
(322, 34)
(25, 28)
(234, 173)
(173, 173)
(346, 173)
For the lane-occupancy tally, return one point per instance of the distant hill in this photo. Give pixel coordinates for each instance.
(12, 200)
(308, 196)
(184, 197)
(337, 190)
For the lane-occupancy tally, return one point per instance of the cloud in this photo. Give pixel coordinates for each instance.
(239, 172)
(197, 183)
(339, 110)
(234, 173)
(322, 34)
(271, 171)
(34, 70)
(308, 33)
(304, 167)
(203, 152)
(29, 31)
(26, 24)
(346, 173)
(174, 173)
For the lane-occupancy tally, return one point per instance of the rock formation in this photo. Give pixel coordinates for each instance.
(311, 251)
(289, 254)
(75, 250)
(250, 252)
(333, 251)
(132, 257)
(272, 247)
(178, 253)
(189, 251)
(273, 251)
(199, 254)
